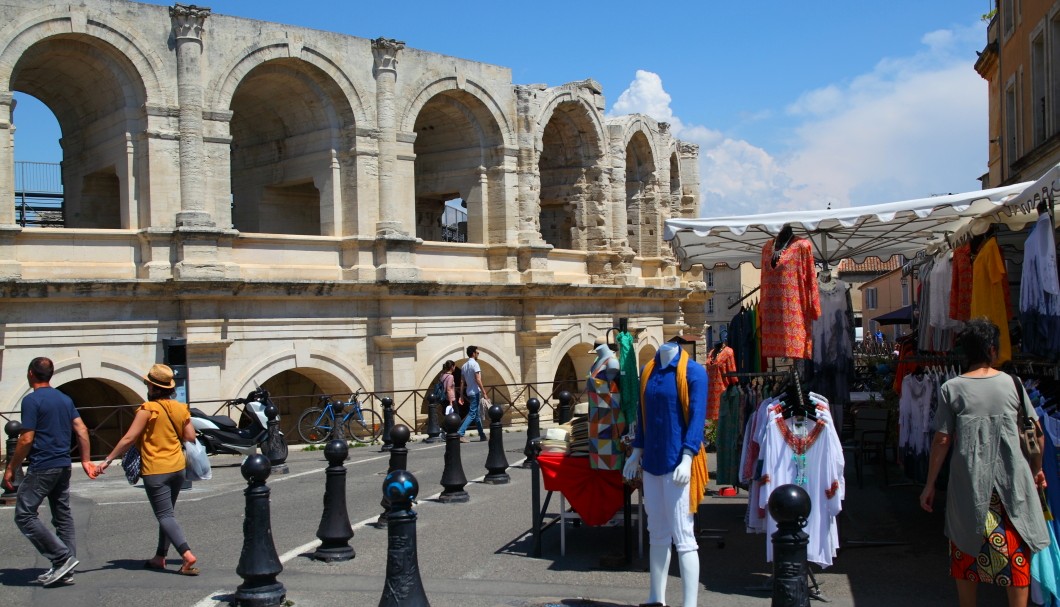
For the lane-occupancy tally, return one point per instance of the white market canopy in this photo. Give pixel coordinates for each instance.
(879, 230)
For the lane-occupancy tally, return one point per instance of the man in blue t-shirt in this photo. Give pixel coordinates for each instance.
(49, 418)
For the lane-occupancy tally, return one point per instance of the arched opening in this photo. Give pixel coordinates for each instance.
(98, 100)
(38, 163)
(292, 161)
(107, 408)
(570, 181)
(295, 390)
(457, 142)
(641, 206)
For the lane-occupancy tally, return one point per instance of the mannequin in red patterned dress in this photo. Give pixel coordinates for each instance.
(720, 360)
(790, 301)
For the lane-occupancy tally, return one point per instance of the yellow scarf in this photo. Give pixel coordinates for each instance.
(700, 476)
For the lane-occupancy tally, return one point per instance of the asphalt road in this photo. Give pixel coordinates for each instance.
(472, 554)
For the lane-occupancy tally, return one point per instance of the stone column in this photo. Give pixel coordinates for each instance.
(688, 155)
(9, 267)
(529, 177)
(188, 22)
(386, 52)
(7, 158)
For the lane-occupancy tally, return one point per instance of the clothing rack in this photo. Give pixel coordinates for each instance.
(749, 293)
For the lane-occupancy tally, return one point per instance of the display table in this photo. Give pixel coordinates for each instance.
(595, 496)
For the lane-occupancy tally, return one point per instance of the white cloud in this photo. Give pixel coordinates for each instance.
(911, 127)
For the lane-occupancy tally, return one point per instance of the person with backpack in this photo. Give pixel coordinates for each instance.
(444, 390)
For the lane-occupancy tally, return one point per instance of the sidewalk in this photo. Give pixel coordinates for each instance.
(475, 554)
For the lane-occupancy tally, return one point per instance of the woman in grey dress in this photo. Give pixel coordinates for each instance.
(994, 519)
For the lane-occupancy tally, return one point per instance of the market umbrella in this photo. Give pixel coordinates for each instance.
(881, 230)
(901, 316)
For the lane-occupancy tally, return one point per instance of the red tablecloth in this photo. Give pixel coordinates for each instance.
(596, 495)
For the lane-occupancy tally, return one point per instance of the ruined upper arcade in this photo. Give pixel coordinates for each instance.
(277, 196)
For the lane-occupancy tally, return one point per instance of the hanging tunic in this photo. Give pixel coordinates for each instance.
(990, 293)
(833, 352)
(1040, 292)
(812, 459)
(790, 302)
(728, 459)
(607, 424)
(717, 366)
(961, 283)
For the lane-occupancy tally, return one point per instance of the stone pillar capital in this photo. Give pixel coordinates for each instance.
(386, 52)
(188, 21)
(688, 150)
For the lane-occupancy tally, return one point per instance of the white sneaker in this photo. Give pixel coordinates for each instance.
(56, 574)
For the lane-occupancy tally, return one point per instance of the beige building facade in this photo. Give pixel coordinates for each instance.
(277, 197)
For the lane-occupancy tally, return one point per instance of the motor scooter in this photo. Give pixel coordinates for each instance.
(220, 434)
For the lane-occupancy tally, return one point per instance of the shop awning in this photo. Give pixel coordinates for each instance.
(880, 230)
(901, 316)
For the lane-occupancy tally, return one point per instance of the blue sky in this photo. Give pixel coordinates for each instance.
(794, 105)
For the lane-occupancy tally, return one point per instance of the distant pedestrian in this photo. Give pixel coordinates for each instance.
(471, 377)
(449, 386)
(159, 430)
(49, 418)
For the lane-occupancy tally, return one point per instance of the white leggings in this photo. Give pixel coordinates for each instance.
(669, 520)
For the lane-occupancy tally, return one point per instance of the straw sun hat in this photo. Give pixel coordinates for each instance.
(161, 376)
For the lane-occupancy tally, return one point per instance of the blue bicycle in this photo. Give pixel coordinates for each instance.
(317, 424)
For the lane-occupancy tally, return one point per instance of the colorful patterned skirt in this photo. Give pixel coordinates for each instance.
(1004, 558)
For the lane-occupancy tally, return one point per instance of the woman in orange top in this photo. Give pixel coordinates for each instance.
(155, 431)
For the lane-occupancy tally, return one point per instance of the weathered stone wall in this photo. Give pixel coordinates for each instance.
(273, 194)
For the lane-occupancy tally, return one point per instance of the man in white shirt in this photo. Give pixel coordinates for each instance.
(471, 381)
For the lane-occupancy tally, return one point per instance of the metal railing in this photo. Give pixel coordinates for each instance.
(38, 194)
(108, 423)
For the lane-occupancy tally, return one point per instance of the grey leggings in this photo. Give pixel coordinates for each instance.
(162, 491)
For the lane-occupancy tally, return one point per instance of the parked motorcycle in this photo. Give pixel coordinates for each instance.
(220, 434)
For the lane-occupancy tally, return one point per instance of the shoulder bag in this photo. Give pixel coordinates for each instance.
(131, 463)
(1028, 431)
(196, 462)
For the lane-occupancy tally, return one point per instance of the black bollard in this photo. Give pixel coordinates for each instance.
(338, 429)
(533, 427)
(399, 460)
(496, 462)
(433, 429)
(258, 563)
(566, 406)
(789, 505)
(276, 447)
(334, 530)
(13, 428)
(453, 479)
(403, 587)
(388, 422)
(532, 451)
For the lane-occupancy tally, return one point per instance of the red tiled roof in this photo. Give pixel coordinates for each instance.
(871, 264)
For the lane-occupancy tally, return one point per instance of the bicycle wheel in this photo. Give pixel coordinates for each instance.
(366, 431)
(314, 426)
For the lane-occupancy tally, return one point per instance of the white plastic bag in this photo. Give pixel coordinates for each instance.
(197, 466)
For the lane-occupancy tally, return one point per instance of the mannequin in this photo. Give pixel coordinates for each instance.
(606, 422)
(669, 447)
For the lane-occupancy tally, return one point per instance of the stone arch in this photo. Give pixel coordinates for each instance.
(486, 110)
(98, 82)
(572, 205)
(275, 46)
(458, 141)
(642, 204)
(293, 131)
(337, 376)
(49, 22)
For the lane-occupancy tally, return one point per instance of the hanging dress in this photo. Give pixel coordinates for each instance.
(718, 364)
(990, 293)
(790, 302)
